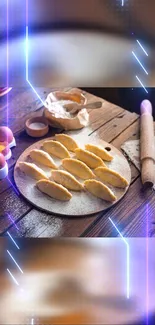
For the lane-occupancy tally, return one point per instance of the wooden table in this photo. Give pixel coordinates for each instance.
(114, 125)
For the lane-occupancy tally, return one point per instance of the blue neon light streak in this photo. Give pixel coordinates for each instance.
(142, 84)
(27, 65)
(128, 259)
(142, 47)
(35, 92)
(15, 262)
(15, 281)
(13, 240)
(139, 62)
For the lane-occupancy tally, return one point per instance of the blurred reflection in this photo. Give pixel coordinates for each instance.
(73, 44)
(78, 282)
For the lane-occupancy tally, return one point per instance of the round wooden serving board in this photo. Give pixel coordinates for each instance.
(82, 203)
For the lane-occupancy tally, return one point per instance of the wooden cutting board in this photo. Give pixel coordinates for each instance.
(82, 203)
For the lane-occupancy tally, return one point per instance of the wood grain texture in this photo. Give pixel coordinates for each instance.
(124, 213)
(23, 104)
(99, 117)
(113, 124)
(12, 207)
(40, 224)
(116, 126)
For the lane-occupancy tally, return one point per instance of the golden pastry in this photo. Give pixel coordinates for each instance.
(67, 180)
(89, 158)
(43, 158)
(32, 170)
(78, 168)
(110, 176)
(54, 190)
(67, 141)
(99, 190)
(56, 148)
(100, 152)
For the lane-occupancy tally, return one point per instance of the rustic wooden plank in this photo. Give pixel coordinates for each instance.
(116, 126)
(40, 224)
(143, 223)
(23, 104)
(18, 124)
(12, 207)
(130, 133)
(123, 213)
(11, 95)
(99, 117)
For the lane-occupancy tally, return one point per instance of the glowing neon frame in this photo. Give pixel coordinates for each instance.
(27, 79)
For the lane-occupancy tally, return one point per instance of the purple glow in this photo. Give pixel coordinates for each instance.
(7, 58)
(12, 221)
(13, 187)
(27, 8)
(147, 265)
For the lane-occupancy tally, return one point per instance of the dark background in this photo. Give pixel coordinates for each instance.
(128, 98)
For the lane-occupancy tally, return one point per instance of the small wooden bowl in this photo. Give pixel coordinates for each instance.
(37, 127)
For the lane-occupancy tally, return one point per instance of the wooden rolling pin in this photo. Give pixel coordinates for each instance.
(147, 145)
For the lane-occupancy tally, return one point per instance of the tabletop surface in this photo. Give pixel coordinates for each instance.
(114, 125)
